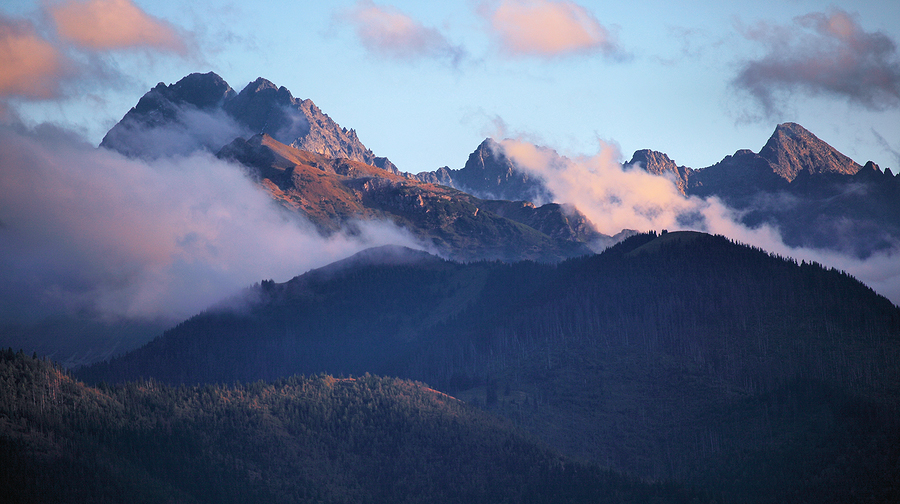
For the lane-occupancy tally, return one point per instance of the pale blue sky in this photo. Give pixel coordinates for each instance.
(669, 84)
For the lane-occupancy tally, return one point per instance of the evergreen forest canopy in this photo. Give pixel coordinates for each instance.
(298, 439)
(679, 356)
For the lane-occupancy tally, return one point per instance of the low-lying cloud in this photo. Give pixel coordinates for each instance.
(615, 197)
(822, 53)
(87, 231)
(389, 33)
(548, 29)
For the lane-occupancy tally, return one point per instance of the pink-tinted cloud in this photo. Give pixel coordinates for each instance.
(822, 54)
(102, 25)
(547, 29)
(612, 197)
(390, 33)
(31, 66)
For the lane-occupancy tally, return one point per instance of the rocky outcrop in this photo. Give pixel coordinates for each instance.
(792, 149)
(658, 163)
(490, 174)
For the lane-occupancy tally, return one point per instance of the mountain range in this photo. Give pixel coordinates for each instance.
(812, 194)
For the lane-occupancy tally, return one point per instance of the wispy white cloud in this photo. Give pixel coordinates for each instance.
(389, 33)
(548, 29)
(821, 53)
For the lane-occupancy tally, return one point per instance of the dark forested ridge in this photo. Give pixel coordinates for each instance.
(318, 439)
(680, 356)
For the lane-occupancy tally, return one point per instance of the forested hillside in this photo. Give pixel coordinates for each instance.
(680, 356)
(317, 439)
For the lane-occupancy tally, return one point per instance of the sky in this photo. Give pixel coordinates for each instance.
(422, 83)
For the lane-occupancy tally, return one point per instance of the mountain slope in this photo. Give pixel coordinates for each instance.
(318, 439)
(333, 193)
(677, 356)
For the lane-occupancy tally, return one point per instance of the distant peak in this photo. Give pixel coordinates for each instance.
(792, 128)
(199, 89)
(260, 84)
(793, 149)
(659, 163)
(488, 143)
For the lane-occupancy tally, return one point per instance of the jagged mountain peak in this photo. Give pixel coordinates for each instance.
(258, 85)
(202, 90)
(659, 163)
(490, 174)
(792, 149)
(261, 107)
(176, 119)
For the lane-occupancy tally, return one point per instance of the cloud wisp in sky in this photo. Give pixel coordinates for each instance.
(548, 29)
(822, 53)
(32, 66)
(389, 33)
(616, 197)
(40, 67)
(105, 25)
(87, 231)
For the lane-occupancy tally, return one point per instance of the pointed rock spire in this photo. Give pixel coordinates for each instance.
(792, 149)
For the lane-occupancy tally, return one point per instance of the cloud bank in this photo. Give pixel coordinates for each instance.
(615, 197)
(86, 231)
(389, 33)
(547, 29)
(818, 54)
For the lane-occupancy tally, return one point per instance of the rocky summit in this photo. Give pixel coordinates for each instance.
(792, 149)
(207, 102)
(490, 174)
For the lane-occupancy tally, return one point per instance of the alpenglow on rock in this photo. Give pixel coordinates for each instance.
(201, 111)
(792, 149)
